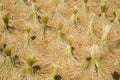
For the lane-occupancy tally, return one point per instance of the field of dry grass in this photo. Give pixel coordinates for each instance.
(59, 39)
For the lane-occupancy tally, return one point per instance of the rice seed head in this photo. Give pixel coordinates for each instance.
(63, 1)
(45, 19)
(70, 40)
(59, 33)
(60, 26)
(6, 19)
(92, 16)
(117, 13)
(20, 2)
(103, 6)
(34, 1)
(56, 2)
(27, 29)
(94, 60)
(7, 50)
(28, 70)
(85, 1)
(30, 59)
(75, 10)
(54, 72)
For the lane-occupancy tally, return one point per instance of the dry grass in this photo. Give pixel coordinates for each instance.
(60, 33)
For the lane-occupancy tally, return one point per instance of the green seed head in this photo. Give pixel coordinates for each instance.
(117, 13)
(70, 40)
(85, 1)
(28, 70)
(27, 29)
(45, 19)
(34, 1)
(92, 16)
(7, 50)
(6, 19)
(56, 2)
(60, 26)
(103, 6)
(54, 72)
(75, 9)
(30, 59)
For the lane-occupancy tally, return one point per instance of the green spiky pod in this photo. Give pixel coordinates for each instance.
(7, 50)
(30, 60)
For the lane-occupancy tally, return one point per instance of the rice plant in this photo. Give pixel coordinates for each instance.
(45, 26)
(56, 5)
(73, 17)
(20, 2)
(60, 35)
(7, 67)
(28, 71)
(34, 17)
(104, 8)
(62, 32)
(54, 72)
(67, 56)
(95, 68)
(94, 60)
(85, 6)
(30, 60)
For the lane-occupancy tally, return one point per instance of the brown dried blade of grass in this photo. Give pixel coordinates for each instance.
(95, 70)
